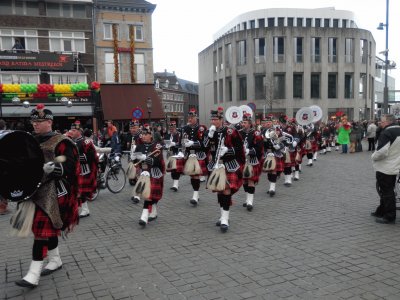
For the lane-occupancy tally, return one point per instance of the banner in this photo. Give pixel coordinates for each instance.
(36, 61)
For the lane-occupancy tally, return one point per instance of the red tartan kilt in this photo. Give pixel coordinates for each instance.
(256, 173)
(301, 157)
(235, 180)
(292, 160)
(88, 184)
(180, 164)
(314, 146)
(203, 167)
(156, 188)
(279, 164)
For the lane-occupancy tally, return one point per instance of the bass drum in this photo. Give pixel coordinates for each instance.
(21, 165)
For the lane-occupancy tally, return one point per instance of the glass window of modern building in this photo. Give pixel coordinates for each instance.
(315, 85)
(279, 49)
(242, 88)
(332, 85)
(298, 85)
(259, 50)
(279, 86)
(332, 50)
(348, 86)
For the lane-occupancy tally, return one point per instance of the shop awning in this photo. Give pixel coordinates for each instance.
(58, 111)
(119, 100)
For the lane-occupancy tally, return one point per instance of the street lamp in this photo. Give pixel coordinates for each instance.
(149, 105)
(385, 89)
(166, 115)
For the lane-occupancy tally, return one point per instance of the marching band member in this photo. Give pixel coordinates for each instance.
(149, 158)
(196, 161)
(272, 151)
(290, 151)
(175, 162)
(55, 204)
(225, 144)
(135, 135)
(253, 143)
(89, 164)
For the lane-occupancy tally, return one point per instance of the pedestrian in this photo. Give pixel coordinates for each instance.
(386, 163)
(59, 186)
(344, 130)
(371, 133)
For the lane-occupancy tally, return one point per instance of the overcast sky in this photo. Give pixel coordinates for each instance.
(183, 28)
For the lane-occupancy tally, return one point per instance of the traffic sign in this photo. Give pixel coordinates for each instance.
(137, 113)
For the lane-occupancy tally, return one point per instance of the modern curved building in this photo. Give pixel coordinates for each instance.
(283, 59)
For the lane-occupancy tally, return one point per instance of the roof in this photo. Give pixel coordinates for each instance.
(186, 86)
(134, 4)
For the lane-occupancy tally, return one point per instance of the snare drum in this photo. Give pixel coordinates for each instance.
(21, 165)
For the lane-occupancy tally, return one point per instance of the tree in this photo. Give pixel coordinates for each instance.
(270, 99)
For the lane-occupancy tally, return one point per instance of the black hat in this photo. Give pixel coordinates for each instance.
(172, 124)
(76, 125)
(40, 113)
(192, 113)
(134, 123)
(146, 131)
(217, 114)
(246, 117)
(268, 118)
(87, 132)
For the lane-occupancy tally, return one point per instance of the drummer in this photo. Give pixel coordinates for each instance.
(60, 186)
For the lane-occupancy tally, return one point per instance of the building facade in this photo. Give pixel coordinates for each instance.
(280, 60)
(178, 96)
(46, 42)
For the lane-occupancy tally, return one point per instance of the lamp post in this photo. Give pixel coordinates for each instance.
(385, 89)
(149, 105)
(166, 116)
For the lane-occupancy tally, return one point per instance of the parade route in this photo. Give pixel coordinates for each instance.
(313, 240)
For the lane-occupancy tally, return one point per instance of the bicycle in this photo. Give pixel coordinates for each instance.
(111, 175)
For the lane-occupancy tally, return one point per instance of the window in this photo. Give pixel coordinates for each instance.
(140, 70)
(215, 63)
(19, 7)
(363, 86)
(299, 22)
(335, 23)
(261, 23)
(271, 22)
(348, 86)
(298, 86)
(221, 91)
(220, 62)
(215, 93)
(279, 86)
(139, 33)
(110, 68)
(315, 50)
(279, 49)
(259, 89)
(298, 49)
(228, 55)
(66, 10)
(281, 22)
(108, 33)
(60, 78)
(259, 50)
(349, 51)
(67, 41)
(332, 85)
(332, 50)
(241, 52)
(242, 88)
(308, 22)
(344, 23)
(252, 24)
(27, 38)
(290, 22)
(364, 51)
(14, 78)
(228, 90)
(326, 22)
(315, 86)
(317, 22)
(6, 7)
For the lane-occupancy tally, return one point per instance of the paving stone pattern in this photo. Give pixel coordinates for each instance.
(314, 240)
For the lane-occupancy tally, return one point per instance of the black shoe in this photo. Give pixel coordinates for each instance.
(135, 200)
(194, 202)
(249, 207)
(25, 283)
(218, 223)
(383, 220)
(244, 204)
(132, 182)
(376, 215)
(142, 223)
(46, 272)
(175, 189)
(295, 179)
(224, 227)
(271, 193)
(151, 219)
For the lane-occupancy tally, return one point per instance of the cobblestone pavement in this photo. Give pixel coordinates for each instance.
(314, 240)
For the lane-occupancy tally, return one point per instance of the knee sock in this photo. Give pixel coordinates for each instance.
(245, 187)
(272, 177)
(175, 175)
(251, 189)
(53, 243)
(287, 170)
(39, 249)
(195, 183)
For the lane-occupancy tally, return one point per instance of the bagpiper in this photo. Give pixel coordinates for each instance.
(149, 161)
(134, 139)
(175, 156)
(195, 156)
(89, 165)
(273, 157)
(253, 147)
(226, 165)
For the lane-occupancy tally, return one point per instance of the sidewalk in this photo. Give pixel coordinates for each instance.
(314, 240)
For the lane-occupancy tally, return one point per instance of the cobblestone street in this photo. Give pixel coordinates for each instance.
(313, 240)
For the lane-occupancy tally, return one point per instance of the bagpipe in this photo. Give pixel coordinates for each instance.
(142, 187)
(217, 180)
(172, 159)
(131, 170)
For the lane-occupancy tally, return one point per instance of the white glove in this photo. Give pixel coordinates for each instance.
(211, 131)
(189, 143)
(223, 151)
(49, 167)
(172, 144)
(141, 156)
(145, 173)
(276, 147)
(270, 154)
(117, 158)
(247, 151)
(294, 144)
